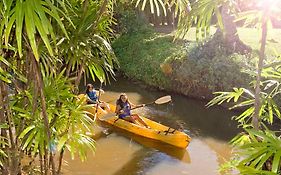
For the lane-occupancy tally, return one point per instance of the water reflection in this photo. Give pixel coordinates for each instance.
(173, 152)
(203, 162)
(113, 152)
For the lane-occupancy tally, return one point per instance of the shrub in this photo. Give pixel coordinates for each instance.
(185, 67)
(141, 55)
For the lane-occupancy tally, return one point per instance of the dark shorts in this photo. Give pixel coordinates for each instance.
(91, 102)
(122, 116)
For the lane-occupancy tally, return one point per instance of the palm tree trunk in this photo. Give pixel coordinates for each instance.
(60, 161)
(228, 38)
(255, 119)
(41, 163)
(40, 86)
(14, 166)
(68, 69)
(80, 73)
(102, 10)
(4, 168)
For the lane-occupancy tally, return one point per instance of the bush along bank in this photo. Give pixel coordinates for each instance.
(158, 61)
(200, 76)
(140, 55)
(182, 67)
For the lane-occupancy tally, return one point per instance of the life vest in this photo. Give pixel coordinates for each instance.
(126, 107)
(93, 96)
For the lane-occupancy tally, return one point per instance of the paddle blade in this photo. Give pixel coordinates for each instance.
(163, 100)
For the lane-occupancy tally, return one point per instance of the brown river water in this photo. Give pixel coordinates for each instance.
(121, 153)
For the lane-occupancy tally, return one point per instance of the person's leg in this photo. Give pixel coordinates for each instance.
(138, 118)
(105, 106)
(130, 119)
(90, 102)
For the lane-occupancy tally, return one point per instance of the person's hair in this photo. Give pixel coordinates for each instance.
(120, 102)
(88, 87)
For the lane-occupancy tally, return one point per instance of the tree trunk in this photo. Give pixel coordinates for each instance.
(40, 86)
(227, 39)
(80, 73)
(41, 163)
(4, 169)
(14, 167)
(255, 118)
(101, 11)
(60, 161)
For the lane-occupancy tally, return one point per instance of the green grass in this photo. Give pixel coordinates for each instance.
(251, 37)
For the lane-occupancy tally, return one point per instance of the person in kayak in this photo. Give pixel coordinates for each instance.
(93, 96)
(123, 110)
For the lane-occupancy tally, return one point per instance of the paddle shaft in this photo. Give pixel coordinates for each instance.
(98, 99)
(139, 106)
(161, 100)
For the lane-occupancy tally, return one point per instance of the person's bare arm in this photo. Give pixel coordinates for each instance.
(133, 106)
(118, 110)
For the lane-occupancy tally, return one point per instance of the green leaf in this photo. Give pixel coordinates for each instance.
(151, 6)
(276, 162)
(19, 23)
(30, 28)
(25, 131)
(264, 159)
(29, 139)
(62, 142)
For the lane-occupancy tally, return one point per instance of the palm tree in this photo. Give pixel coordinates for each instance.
(68, 121)
(31, 32)
(88, 49)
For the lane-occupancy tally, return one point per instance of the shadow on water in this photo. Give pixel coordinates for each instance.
(177, 153)
(151, 154)
(145, 158)
(202, 121)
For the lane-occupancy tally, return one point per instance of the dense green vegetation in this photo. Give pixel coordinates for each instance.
(141, 54)
(46, 47)
(181, 66)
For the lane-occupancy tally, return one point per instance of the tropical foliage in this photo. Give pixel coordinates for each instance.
(258, 150)
(44, 46)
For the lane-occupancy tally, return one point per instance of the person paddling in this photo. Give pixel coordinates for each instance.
(93, 96)
(123, 110)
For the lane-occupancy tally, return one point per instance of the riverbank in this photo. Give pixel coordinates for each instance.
(156, 60)
(183, 66)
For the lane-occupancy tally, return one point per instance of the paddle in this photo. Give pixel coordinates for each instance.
(159, 101)
(98, 99)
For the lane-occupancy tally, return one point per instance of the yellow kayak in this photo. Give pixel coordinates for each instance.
(156, 131)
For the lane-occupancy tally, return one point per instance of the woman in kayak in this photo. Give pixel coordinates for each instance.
(123, 110)
(93, 96)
